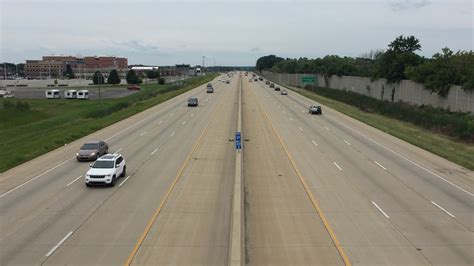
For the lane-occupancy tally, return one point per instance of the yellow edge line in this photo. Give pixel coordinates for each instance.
(170, 189)
(308, 191)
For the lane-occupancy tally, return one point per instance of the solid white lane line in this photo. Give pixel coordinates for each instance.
(347, 142)
(59, 244)
(172, 134)
(404, 157)
(161, 121)
(153, 153)
(326, 128)
(143, 134)
(70, 183)
(380, 165)
(443, 209)
(34, 178)
(184, 122)
(380, 209)
(337, 166)
(314, 142)
(300, 129)
(124, 181)
(118, 150)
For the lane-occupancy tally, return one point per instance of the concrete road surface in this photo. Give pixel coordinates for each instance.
(319, 190)
(48, 216)
(387, 201)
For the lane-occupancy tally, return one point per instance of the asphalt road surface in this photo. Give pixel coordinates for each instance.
(324, 190)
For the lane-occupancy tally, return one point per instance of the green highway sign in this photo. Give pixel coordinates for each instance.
(308, 79)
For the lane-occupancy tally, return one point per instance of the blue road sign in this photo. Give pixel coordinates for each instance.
(238, 145)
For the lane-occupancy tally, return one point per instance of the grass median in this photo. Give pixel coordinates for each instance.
(32, 127)
(450, 148)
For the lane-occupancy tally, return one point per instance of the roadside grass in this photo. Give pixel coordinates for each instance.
(447, 147)
(49, 124)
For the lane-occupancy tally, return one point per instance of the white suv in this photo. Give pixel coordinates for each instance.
(106, 170)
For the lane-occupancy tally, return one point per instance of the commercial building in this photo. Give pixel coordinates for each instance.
(83, 67)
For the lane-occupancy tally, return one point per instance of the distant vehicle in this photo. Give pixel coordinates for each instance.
(210, 89)
(227, 82)
(284, 92)
(106, 170)
(83, 94)
(70, 94)
(6, 94)
(267, 82)
(255, 79)
(134, 88)
(92, 150)
(315, 109)
(261, 79)
(53, 94)
(250, 80)
(272, 85)
(277, 88)
(193, 101)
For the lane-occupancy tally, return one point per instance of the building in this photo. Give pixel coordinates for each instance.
(83, 67)
(141, 70)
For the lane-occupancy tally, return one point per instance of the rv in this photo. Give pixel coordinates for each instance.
(52, 94)
(83, 94)
(70, 94)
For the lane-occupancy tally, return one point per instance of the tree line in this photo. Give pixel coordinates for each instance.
(399, 61)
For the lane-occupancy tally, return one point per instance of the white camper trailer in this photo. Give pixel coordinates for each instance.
(83, 94)
(52, 94)
(70, 94)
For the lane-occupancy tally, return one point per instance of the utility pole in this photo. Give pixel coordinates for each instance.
(4, 70)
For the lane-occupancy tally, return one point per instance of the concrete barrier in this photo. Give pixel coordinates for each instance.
(406, 90)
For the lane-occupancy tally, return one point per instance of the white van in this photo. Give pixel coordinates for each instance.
(83, 94)
(52, 94)
(70, 94)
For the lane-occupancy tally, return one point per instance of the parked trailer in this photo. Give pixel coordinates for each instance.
(83, 94)
(70, 94)
(53, 94)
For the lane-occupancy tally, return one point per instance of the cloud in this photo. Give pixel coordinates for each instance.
(398, 5)
(133, 46)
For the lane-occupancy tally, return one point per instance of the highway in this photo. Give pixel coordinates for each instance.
(318, 190)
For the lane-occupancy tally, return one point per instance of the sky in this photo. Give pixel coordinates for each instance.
(226, 32)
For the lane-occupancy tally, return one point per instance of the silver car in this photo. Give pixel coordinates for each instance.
(92, 150)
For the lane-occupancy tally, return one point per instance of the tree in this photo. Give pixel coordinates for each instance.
(113, 77)
(132, 77)
(267, 62)
(397, 59)
(152, 74)
(98, 78)
(69, 73)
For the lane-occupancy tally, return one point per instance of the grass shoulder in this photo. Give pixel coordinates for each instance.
(48, 124)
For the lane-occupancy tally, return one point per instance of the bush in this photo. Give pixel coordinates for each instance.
(454, 124)
(16, 105)
(104, 111)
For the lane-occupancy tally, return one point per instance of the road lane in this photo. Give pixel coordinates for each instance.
(39, 214)
(419, 229)
(194, 224)
(282, 225)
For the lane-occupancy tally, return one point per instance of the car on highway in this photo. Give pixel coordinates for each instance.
(134, 88)
(272, 85)
(210, 89)
(315, 109)
(92, 150)
(193, 101)
(250, 80)
(267, 82)
(284, 92)
(277, 88)
(261, 79)
(227, 82)
(106, 170)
